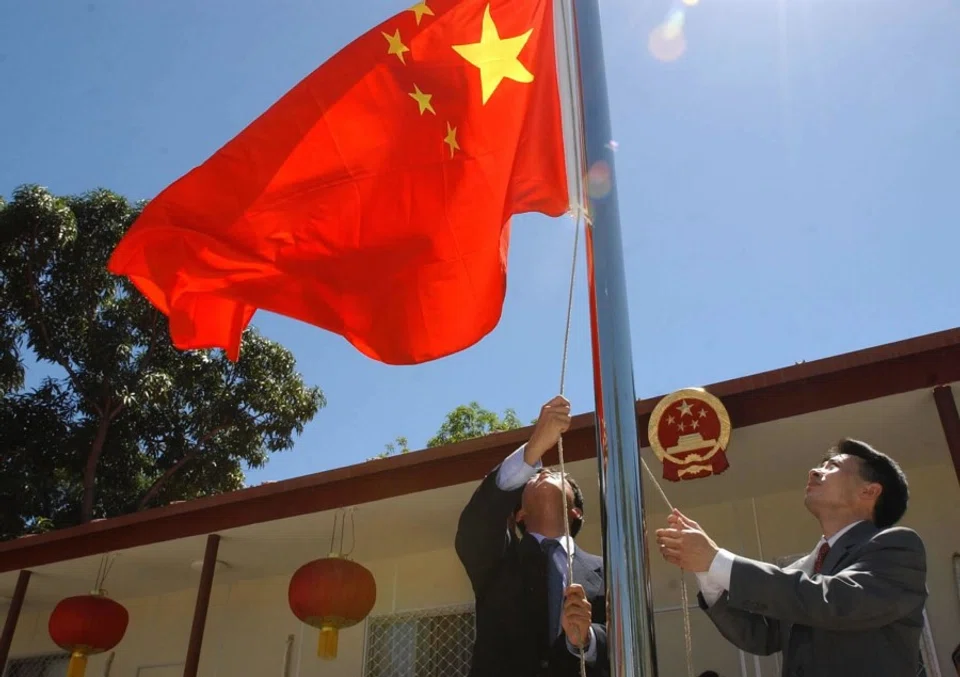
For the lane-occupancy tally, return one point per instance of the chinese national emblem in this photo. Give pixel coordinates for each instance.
(689, 431)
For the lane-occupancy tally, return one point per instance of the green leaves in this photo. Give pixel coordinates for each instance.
(469, 421)
(129, 421)
(463, 423)
(398, 446)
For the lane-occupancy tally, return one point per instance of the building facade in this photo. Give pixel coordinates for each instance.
(205, 582)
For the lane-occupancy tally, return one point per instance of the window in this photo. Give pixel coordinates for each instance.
(428, 643)
(52, 665)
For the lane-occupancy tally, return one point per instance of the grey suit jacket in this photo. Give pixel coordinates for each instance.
(862, 615)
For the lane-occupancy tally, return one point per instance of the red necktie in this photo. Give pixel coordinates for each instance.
(821, 555)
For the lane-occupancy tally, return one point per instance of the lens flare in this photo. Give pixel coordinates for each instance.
(673, 26)
(667, 41)
(665, 44)
(598, 180)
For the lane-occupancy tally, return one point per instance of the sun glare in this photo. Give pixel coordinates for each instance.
(667, 42)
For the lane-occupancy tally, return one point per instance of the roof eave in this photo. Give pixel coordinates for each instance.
(904, 366)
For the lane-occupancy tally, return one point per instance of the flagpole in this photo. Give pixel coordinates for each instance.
(630, 631)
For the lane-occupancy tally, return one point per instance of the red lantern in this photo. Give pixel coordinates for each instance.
(87, 625)
(330, 594)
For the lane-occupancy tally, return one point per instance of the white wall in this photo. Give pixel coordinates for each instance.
(249, 621)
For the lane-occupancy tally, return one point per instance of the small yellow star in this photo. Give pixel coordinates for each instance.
(496, 57)
(423, 100)
(451, 139)
(420, 9)
(396, 45)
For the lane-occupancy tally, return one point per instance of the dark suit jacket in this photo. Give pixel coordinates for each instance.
(862, 615)
(508, 575)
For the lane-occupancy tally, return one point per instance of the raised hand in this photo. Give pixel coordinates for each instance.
(576, 617)
(685, 544)
(554, 420)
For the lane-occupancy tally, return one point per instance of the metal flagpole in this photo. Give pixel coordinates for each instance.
(630, 630)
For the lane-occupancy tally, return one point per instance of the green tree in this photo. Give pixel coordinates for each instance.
(471, 420)
(398, 446)
(124, 421)
(463, 423)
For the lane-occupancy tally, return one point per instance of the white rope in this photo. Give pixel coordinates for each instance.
(684, 597)
(563, 473)
(577, 175)
(582, 218)
(756, 526)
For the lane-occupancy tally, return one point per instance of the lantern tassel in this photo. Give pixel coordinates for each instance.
(327, 644)
(78, 665)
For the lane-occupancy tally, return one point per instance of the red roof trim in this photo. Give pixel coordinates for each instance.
(922, 362)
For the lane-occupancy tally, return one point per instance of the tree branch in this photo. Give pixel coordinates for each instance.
(147, 357)
(34, 293)
(160, 481)
(90, 470)
(172, 470)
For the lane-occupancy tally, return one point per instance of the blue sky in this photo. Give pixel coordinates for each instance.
(788, 185)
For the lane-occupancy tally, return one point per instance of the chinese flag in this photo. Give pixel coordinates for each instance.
(373, 200)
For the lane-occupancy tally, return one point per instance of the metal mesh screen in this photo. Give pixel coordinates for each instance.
(53, 665)
(429, 643)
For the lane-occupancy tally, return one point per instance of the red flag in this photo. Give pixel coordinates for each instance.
(374, 198)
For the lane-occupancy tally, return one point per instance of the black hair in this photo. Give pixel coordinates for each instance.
(577, 522)
(879, 468)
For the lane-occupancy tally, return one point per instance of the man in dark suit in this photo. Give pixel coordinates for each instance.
(520, 581)
(853, 606)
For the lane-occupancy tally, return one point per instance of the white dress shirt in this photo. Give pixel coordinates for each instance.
(513, 474)
(716, 581)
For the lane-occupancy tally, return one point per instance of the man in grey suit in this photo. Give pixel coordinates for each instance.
(853, 606)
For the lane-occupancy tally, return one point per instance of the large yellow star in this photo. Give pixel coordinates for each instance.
(496, 57)
(451, 139)
(420, 9)
(396, 45)
(423, 100)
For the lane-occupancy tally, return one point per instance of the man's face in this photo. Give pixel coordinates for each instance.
(541, 495)
(835, 484)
